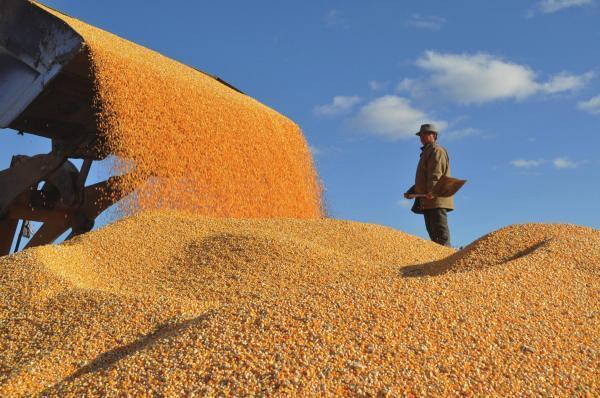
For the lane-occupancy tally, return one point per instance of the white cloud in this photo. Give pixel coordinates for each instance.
(477, 78)
(551, 6)
(559, 163)
(339, 105)
(592, 105)
(564, 163)
(406, 85)
(522, 163)
(455, 135)
(392, 117)
(426, 22)
(480, 78)
(314, 150)
(405, 203)
(566, 82)
(375, 85)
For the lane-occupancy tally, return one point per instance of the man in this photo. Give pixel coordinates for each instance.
(433, 164)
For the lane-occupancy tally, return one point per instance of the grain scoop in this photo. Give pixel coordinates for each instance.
(446, 186)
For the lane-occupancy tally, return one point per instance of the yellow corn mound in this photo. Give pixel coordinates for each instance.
(164, 304)
(196, 144)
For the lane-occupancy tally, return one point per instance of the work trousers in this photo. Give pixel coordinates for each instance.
(436, 222)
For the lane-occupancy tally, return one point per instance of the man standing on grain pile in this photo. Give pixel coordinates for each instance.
(433, 164)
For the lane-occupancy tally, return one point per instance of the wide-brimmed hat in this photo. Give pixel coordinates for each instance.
(428, 128)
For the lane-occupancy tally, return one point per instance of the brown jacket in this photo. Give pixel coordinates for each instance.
(433, 164)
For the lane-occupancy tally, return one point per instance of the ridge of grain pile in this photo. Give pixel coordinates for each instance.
(208, 148)
(168, 304)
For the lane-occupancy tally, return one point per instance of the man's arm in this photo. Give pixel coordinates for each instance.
(411, 190)
(436, 165)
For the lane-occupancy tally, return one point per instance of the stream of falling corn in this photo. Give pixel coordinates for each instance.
(193, 143)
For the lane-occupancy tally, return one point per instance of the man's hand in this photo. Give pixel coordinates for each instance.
(406, 195)
(429, 196)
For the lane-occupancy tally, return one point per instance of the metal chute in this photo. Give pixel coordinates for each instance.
(46, 89)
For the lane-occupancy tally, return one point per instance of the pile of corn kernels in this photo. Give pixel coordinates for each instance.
(166, 304)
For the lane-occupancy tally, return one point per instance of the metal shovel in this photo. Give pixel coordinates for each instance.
(446, 186)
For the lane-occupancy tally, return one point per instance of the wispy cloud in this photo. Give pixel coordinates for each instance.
(314, 150)
(339, 105)
(592, 105)
(392, 117)
(527, 164)
(566, 163)
(324, 151)
(335, 19)
(552, 6)
(566, 82)
(431, 22)
(375, 85)
(405, 203)
(562, 162)
(455, 135)
(480, 78)
(407, 85)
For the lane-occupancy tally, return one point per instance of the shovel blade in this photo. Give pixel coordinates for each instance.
(447, 186)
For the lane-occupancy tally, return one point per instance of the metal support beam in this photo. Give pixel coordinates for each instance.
(28, 172)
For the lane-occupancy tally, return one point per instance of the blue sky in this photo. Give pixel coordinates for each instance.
(515, 86)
